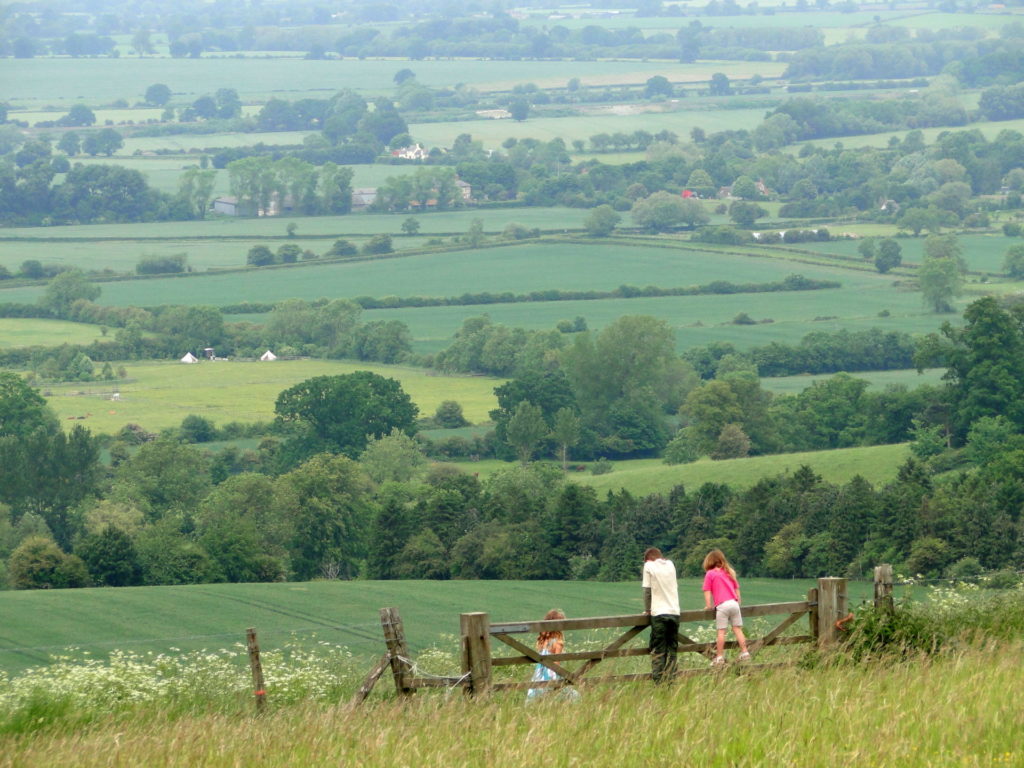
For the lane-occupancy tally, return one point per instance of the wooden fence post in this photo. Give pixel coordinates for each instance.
(812, 613)
(883, 588)
(257, 668)
(475, 629)
(831, 608)
(394, 638)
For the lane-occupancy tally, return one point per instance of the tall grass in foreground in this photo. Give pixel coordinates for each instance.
(949, 710)
(934, 684)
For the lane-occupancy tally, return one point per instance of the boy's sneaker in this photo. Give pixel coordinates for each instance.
(719, 661)
(744, 656)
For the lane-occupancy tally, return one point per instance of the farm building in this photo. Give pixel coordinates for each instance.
(232, 206)
(363, 197)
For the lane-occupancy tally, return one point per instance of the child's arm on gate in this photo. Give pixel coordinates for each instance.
(707, 600)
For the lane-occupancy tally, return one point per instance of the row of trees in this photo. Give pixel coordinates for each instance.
(267, 185)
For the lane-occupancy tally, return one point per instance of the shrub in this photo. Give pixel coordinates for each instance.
(197, 429)
(38, 563)
(341, 248)
(601, 467)
(964, 569)
(378, 244)
(156, 265)
(680, 450)
(449, 415)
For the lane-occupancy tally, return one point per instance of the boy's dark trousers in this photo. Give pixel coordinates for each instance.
(664, 641)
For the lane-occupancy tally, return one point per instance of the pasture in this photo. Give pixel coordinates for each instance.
(791, 385)
(780, 316)
(157, 395)
(711, 115)
(194, 143)
(981, 252)
(988, 129)
(493, 132)
(41, 83)
(40, 624)
(164, 172)
(203, 254)
(518, 268)
(864, 300)
(224, 241)
(696, 320)
(30, 332)
(878, 464)
(431, 222)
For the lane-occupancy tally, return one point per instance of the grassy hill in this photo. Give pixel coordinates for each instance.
(40, 624)
(876, 463)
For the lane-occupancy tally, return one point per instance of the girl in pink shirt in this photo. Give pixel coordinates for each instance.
(722, 592)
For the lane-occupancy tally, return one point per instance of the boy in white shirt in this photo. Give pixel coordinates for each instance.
(661, 602)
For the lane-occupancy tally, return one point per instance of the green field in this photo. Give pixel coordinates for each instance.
(517, 268)
(161, 394)
(25, 332)
(123, 255)
(39, 83)
(791, 385)
(118, 116)
(431, 222)
(39, 624)
(781, 316)
(164, 172)
(224, 242)
(696, 320)
(188, 143)
(493, 132)
(988, 129)
(982, 252)
(877, 464)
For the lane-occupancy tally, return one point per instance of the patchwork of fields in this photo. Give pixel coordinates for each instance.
(864, 300)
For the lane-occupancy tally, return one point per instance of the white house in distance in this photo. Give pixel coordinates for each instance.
(267, 356)
(189, 358)
(413, 152)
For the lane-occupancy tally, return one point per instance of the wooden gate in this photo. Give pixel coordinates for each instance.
(824, 606)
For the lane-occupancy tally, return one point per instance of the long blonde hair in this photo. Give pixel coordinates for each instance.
(716, 559)
(546, 637)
